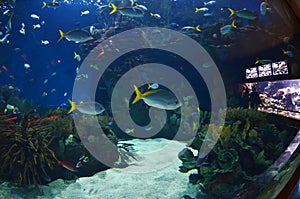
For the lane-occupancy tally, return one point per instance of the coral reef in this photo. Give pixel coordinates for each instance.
(9, 96)
(31, 145)
(247, 146)
(25, 155)
(255, 117)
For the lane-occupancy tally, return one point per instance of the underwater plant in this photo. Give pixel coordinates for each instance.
(62, 126)
(188, 160)
(227, 158)
(269, 132)
(25, 153)
(247, 146)
(255, 117)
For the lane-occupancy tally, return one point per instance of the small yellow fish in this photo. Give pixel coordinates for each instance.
(129, 130)
(157, 16)
(35, 16)
(198, 28)
(288, 53)
(189, 28)
(195, 126)
(94, 66)
(263, 61)
(77, 56)
(36, 26)
(203, 9)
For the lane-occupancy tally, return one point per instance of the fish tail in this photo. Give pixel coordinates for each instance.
(75, 55)
(149, 86)
(151, 14)
(232, 24)
(81, 13)
(257, 61)
(138, 94)
(198, 28)
(34, 26)
(11, 16)
(284, 52)
(267, 2)
(114, 8)
(44, 4)
(232, 12)
(62, 35)
(197, 10)
(73, 106)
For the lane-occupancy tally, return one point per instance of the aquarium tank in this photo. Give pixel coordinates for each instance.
(149, 99)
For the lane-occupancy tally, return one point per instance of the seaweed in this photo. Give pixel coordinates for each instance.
(269, 133)
(226, 133)
(260, 161)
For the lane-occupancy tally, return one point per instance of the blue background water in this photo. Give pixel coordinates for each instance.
(43, 59)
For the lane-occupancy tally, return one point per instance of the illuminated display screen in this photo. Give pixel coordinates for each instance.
(265, 70)
(251, 73)
(278, 97)
(280, 68)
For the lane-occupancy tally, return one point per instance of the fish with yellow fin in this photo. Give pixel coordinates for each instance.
(90, 108)
(288, 53)
(77, 57)
(245, 14)
(189, 29)
(53, 4)
(263, 61)
(226, 29)
(159, 98)
(131, 11)
(76, 35)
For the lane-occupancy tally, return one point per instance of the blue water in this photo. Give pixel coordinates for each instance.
(43, 59)
(58, 57)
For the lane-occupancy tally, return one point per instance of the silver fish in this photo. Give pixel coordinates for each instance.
(161, 99)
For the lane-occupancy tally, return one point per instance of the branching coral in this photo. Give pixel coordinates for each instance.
(25, 155)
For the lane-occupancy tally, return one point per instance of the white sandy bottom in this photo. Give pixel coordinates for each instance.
(154, 176)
